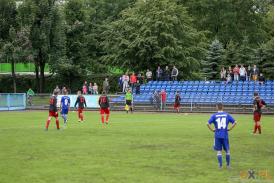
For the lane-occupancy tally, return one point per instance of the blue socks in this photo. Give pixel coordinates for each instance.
(219, 156)
(227, 159)
(64, 116)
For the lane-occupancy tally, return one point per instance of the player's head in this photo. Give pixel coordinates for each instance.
(65, 92)
(78, 92)
(55, 93)
(219, 106)
(103, 93)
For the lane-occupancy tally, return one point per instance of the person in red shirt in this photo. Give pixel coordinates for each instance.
(53, 111)
(81, 102)
(133, 80)
(236, 72)
(103, 102)
(163, 96)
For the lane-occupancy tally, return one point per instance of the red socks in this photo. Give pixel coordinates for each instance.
(107, 118)
(257, 127)
(48, 123)
(102, 119)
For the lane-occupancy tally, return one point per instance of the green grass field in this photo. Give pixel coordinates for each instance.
(157, 148)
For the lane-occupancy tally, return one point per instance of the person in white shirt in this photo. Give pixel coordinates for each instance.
(148, 75)
(174, 73)
(242, 73)
(125, 81)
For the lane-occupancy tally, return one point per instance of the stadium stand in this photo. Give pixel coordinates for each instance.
(206, 92)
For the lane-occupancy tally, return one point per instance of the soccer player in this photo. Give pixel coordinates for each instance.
(129, 100)
(81, 102)
(65, 106)
(53, 111)
(221, 121)
(177, 102)
(103, 102)
(259, 104)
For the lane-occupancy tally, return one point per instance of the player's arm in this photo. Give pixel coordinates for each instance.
(210, 127)
(85, 103)
(76, 102)
(99, 100)
(233, 125)
(264, 104)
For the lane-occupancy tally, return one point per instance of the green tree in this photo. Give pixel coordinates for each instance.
(245, 53)
(230, 55)
(154, 33)
(213, 60)
(265, 55)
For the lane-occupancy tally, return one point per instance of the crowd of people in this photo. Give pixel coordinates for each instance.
(241, 74)
(134, 81)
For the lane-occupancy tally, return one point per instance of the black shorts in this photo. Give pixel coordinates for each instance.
(129, 102)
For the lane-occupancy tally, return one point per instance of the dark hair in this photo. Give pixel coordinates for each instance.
(256, 94)
(219, 106)
(55, 92)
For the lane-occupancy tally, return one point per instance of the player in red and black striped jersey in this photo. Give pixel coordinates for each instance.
(81, 102)
(177, 102)
(103, 102)
(258, 105)
(53, 111)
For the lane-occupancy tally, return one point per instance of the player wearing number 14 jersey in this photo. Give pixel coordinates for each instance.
(221, 120)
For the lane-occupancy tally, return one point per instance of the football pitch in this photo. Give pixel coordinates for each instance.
(139, 147)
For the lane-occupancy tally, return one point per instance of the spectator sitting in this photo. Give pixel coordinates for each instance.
(174, 73)
(95, 89)
(261, 79)
(236, 72)
(223, 74)
(90, 88)
(166, 74)
(255, 73)
(137, 87)
(159, 74)
(242, 73)
(228, 79)
(148, 75)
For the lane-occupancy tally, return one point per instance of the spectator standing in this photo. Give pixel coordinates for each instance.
(106, 86)
(125, 81)
(236, 72)
(261, 79)
(148, 75)
(174, 73)
(120, 83)
(90, 89)
(95, 89)
(255, 73)
(163, 96)
(248, 73)
(133, 80)
(63, 91)
(159, 73)
(140, 78)
(242, 73)
(138, 87)
(166, 74)
(57, 90)
(223, 74)
(30, 94)
(84, 89)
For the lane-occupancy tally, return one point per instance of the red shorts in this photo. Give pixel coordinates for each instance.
(53, 114)
(104, 111)
(176, 105)
(257, 116)
(80, 110)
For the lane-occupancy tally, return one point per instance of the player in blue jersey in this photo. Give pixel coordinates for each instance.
(221, 121)
(65, 106)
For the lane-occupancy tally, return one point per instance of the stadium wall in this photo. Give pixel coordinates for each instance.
(12, 101)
